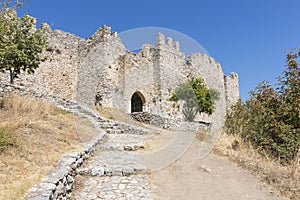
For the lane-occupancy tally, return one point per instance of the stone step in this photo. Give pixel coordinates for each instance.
(112, 171)
(123, 142)
(112, 163)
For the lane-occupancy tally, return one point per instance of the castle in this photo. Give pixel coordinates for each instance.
(100, 71)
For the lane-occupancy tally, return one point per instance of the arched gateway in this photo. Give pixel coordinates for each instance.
(137, 102)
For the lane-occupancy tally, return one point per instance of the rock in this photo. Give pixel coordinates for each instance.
(122, 186)
(205, 169)
(83, 171)
(97, 171)
(46, 186)
(39, 198)
(70, 179)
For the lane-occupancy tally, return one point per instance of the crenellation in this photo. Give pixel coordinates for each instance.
(46, 27)
(33, 20)
(168, 45)
(176, 45)
(160, 39)
(145, 51)
(169, 41)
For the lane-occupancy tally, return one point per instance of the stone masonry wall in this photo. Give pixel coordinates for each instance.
(232, 89)
(203, 66)
(55, 76)
(171, 61)
(98, 53)
(138, 77)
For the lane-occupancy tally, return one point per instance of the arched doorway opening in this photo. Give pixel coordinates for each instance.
(137, 102)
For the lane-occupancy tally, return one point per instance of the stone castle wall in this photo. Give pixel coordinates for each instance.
(232, 89)
(203, 66)
(96, 68)
(100, 71)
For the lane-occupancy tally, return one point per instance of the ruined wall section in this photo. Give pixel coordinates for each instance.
(232, 89)
(97, 54)
(56, 76)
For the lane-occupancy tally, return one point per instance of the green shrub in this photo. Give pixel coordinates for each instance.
(197, 98)
(270, 119)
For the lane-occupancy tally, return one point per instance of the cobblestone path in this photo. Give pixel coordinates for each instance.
(115, 171)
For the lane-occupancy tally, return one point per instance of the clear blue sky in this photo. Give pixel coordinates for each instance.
(245, 36)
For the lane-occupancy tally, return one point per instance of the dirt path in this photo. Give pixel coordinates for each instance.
(190, 178)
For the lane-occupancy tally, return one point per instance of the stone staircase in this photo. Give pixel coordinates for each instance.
(109, 154)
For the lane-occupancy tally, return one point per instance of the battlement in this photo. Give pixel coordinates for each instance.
(45, 26)
(162, 42)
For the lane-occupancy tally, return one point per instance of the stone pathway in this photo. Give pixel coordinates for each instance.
(132, 187)
(115, 171)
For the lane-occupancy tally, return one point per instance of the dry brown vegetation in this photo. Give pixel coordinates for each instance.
(33, 136)
(284, 178)
(116, 114)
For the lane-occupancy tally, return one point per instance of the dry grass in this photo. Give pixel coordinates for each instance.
(285, 179)
(39, 134)
(116, 114)
(105, 112)
(200, 135)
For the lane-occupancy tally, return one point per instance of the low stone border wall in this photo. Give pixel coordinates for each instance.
(59, 181)
(115, 127)
(193, 126)
(10, 89)
(156, 120)
(167, 123)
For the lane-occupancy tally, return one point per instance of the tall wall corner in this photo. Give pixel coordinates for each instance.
(231, 89)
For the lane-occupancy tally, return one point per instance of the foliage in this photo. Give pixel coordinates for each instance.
(270, 119)
(21, 44)
(197, 98)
